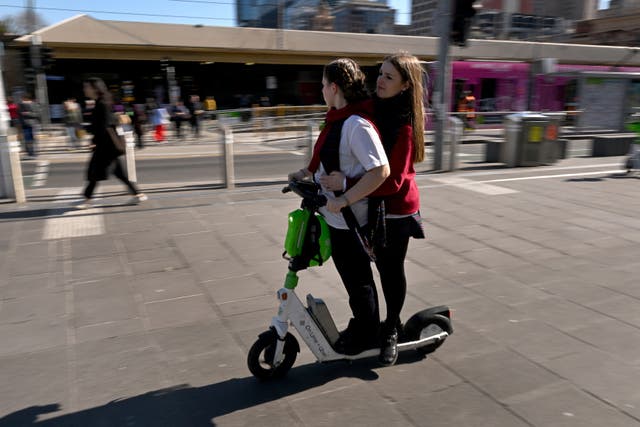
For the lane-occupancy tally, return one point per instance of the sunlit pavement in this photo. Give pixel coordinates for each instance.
(143, 315)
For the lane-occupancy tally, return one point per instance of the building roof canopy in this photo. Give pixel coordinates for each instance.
(85, 37)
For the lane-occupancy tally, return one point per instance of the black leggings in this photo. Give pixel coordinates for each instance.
(354, 267)
(390, 264)
(119, 173)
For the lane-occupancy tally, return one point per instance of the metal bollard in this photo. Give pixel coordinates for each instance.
(227, 140)
(455, 135)
(12, 172)
(130, 156)
(312, 135)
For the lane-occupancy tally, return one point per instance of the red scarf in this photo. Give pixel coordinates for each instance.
(363, 109)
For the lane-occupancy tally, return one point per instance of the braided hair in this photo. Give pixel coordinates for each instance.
(348, 76)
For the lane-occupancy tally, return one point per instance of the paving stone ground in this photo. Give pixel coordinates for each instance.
(148, 320)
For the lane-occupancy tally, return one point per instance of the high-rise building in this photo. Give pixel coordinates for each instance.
(575, 10)
(247, 13)
(364, 16)
(509, 18)
(358, 16)
(423, 13)
(619, 7)
(618, 25)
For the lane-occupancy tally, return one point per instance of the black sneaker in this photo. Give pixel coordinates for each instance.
(346, 343)
(354, 340)
(388, 347)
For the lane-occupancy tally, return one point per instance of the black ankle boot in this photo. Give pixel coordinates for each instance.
(389, 347)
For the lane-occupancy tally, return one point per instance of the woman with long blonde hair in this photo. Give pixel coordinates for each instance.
(395, 205)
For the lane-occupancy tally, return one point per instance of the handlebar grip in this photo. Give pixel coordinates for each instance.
(286, 189)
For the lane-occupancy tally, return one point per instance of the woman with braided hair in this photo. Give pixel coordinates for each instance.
(349, 143)
(399, 116)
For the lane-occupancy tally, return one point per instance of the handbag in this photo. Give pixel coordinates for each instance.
(118, 138)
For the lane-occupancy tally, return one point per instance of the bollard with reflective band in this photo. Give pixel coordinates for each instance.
(130, 156)
(312, 135)
(228, 157)
(455, 135)
(14, 184)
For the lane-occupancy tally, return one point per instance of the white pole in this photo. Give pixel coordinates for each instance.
(227, 140)
(455, 134)
(11, 184)
(311, 139)
(130, 155)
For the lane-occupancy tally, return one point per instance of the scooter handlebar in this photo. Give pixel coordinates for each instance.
(308, 190)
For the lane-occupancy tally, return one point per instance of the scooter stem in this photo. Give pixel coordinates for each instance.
(291, 281)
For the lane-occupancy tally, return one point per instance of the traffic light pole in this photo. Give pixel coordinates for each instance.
(42, 94)
(441, 92)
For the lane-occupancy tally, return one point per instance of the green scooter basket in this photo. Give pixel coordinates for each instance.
(308, 237)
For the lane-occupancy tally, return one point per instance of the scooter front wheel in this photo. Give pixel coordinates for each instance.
(261, 356)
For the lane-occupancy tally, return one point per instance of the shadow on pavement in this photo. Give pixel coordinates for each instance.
(602, 178)
(184, 405)
(159, 189)
(35, 213)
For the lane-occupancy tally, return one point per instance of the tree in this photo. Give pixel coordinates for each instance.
(22, 23)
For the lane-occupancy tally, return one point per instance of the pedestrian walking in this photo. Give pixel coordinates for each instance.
(72, 121)
(14, 116)
(139, 119)
(105, 154)
(160, 119)
(29, 119)
(195, 114)
(179, 115)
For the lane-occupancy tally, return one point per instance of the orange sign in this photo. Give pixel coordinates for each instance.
(552, 133)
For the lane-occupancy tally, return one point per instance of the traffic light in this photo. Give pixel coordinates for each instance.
(25, 56)
(164, 64)
(461, 17)
(46, 57)
(30, 77)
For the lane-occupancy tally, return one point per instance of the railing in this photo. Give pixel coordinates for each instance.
(289, 128)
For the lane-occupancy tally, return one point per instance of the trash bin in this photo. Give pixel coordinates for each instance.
(556, 148)
(526, 140)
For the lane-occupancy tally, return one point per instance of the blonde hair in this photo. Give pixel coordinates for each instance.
(411, 72)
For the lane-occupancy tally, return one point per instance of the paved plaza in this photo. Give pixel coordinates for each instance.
(126, 315)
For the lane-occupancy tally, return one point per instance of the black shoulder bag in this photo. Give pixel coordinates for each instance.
(330, 158)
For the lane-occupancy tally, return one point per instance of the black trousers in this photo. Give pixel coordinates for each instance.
(390, 264)
(354, 268)
(119, 173)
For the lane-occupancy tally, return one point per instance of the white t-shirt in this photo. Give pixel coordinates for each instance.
(360, 150)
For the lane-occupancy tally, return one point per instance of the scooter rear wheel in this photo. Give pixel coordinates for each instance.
(423, 325)
(261, 355)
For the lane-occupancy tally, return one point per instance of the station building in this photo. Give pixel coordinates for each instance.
(240, 65)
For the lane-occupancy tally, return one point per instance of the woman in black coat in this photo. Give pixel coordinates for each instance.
(105, 152)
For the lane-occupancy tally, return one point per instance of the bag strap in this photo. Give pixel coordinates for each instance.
(330, 158)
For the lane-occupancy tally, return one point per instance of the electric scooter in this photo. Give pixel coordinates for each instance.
(307, 244)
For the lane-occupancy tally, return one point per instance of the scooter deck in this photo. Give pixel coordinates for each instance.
(402, 346)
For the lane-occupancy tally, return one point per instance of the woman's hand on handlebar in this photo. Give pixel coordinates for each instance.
(335, 204)
(335, 181)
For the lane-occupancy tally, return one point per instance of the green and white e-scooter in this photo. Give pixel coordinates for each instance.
(307, 244)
